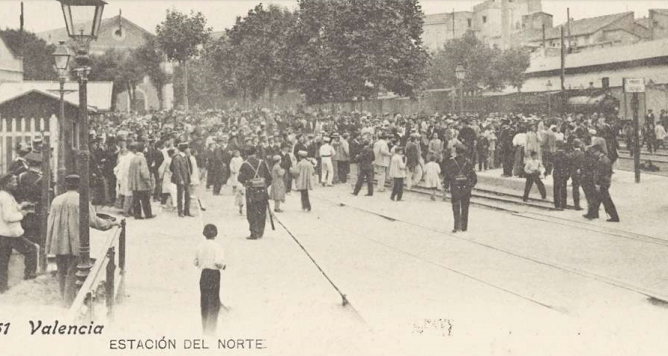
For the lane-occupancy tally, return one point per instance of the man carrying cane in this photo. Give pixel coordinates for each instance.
(255, 176)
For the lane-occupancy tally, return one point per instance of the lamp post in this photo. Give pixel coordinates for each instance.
(61, 59)
(549, 98)
(82, 19)
(460, 73)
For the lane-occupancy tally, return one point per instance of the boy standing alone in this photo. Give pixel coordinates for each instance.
(209, 259)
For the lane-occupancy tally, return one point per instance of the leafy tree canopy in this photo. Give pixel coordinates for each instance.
(37, 60)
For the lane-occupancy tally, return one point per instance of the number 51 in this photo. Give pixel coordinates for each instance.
(4, 328)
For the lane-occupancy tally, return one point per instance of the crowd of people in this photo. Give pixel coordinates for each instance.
(172, 157)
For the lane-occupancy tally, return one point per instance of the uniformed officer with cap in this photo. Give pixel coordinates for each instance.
(256, 177)
(20, 164)
(30, 190)
(459, 179)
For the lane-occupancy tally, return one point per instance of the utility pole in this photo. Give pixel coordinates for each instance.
(635, 105)
(568, 23)
(453, 24)
(563, 61)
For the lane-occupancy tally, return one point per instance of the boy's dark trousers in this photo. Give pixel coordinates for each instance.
(530, 180)
(397, 189)
(209, 287)
(364, 174)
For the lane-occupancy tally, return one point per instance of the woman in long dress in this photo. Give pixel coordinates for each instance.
(277, 192)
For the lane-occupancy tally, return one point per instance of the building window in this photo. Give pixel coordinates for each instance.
(468, 21)
(605, 81)
(484, 19)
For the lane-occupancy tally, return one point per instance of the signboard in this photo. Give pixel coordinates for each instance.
(634, 85)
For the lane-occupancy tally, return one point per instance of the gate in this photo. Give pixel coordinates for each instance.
(16, 130)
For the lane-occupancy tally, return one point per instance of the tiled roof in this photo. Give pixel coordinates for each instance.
(584, 26)
(99, 93)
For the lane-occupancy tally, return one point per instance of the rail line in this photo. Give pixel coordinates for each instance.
(600, 278)
(535, 215)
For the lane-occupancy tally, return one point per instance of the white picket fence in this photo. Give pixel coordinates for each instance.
(15, 130)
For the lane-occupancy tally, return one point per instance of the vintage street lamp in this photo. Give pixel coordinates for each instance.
(82, 19)
(549, 98)
(61, 59)
(460, 73)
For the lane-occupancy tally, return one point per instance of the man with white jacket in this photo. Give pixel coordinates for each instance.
(382, 153)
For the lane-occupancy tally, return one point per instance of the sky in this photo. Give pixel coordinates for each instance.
(42, 15)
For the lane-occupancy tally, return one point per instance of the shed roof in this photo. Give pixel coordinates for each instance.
(99, 93)
(634, 52)
(7, 96)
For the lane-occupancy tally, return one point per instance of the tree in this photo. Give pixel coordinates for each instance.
(475, 56)
(487, 68)
(181, 36)
(118, 67)
(150, 58)
(349, 48)
(511, 67)
(37, 60)
(258, 49)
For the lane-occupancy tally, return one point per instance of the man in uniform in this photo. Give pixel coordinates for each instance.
(577, 167)
(587, 179)
(255, 176)
(602, 181)
(460, 178)
(30, 190)
(20, 164)
(561, 170)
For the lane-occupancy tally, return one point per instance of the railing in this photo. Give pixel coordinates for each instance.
(103, 287)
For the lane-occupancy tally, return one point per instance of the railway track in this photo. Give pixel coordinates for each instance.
(651, 294)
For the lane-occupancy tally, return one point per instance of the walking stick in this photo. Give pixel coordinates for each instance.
(271, 217)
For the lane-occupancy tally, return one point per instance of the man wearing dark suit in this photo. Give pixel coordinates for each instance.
(256, 195)
(286, 163)
(459, 179)
(602, 181)
(180, 168)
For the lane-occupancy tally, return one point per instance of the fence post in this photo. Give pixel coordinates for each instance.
(109, 283)
(89, 303)
(121, 248)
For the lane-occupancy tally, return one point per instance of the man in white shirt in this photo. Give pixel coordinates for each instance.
(327, 152)
(209, 259)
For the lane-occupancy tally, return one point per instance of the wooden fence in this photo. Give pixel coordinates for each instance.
(16, 130)
(104, 286)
